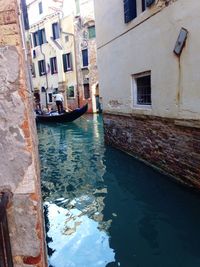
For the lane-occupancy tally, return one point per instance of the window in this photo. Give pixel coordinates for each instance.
(142, 88)
(34, 53)
(36, 38)
(41, 67)
(33, 70)
(91, 31)
(85, 57)
(43, 90)
(66, 38)
(143, 5)
(39, 37)
(40, 7)
(134, 7)
(67, 62)
(70, 92)
(50, 97)
(56, 30)
(86, 90)
(53, 63)
(42, 36)
(130, 10)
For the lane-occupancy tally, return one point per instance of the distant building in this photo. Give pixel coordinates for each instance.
(148, 64)
(57, 48)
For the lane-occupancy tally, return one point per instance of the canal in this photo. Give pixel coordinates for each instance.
(103, 208)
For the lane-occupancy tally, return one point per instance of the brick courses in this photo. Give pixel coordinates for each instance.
(163, 143)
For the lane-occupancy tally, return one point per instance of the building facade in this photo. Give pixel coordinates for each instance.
(148, 66)
(58, 59)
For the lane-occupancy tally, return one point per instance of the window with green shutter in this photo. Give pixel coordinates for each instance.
(70, 92)
(91, 32)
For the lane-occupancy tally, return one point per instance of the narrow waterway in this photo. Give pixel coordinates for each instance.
(103, 208)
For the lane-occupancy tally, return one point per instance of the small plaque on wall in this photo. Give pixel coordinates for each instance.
(180, 41)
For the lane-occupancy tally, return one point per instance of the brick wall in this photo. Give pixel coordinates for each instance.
(171, 145)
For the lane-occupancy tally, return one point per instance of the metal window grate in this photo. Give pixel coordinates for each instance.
(144, 90)
(5, 248)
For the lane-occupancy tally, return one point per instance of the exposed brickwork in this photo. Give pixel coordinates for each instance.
(173, 148)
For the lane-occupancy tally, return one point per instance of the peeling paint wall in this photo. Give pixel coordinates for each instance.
(18, 145)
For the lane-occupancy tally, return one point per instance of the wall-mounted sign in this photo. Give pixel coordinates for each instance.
(180, 41)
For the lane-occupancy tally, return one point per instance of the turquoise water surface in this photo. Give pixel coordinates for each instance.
(103, 208)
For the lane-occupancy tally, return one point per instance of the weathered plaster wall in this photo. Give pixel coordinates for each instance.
(146, 44)
(18, 147)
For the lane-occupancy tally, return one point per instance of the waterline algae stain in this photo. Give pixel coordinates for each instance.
(104, 208)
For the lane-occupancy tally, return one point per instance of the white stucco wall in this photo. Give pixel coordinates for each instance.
(127, 49)
(66, 7)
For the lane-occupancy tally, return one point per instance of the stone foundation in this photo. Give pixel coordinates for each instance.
(173, 146)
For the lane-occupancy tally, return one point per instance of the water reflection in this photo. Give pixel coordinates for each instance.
(74, 191)
(74, 235)
(104, 208)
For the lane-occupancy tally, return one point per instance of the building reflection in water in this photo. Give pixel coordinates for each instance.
(74, 191)
(104, 208)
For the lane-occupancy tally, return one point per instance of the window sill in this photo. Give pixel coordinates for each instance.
(85, 68)
(142, 107)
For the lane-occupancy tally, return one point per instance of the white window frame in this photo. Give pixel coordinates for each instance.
(134, 90)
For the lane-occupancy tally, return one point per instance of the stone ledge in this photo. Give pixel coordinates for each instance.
(178, 122)
(187, 123)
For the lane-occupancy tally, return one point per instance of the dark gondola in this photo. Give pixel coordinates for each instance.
(63, 117)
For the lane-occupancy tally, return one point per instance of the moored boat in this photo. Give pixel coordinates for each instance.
(63, 117)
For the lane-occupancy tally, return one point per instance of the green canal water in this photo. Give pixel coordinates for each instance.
(103, 208)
